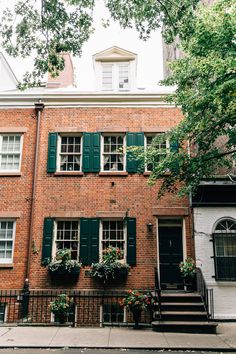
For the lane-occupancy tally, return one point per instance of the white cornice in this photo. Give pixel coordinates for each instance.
(75, 99)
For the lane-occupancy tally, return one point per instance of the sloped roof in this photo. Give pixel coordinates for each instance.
(114, 54)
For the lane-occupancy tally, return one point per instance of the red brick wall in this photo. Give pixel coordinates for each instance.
(88, 194)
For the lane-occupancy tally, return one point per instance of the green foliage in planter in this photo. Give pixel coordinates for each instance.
(111, 266)
(62, 305)
(187, 268)
(63, 263)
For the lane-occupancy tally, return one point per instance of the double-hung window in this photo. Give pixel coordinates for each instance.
(156, 148)
(10, 152)
(7, 235)
(113, 234)
(113, 154)
(224, 238)
(116, 76)
(67, 236)
(70, 148)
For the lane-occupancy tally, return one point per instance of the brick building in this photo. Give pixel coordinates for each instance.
(67, 181)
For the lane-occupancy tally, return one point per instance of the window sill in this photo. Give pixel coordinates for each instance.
(147, 173)
(6, 265)
(69, 174)
(10, 174)
(113, 173)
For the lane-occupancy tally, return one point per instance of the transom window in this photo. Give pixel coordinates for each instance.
(225, 249)
(6, 241)
(160, 145)
(70, 153)
(113, 153)
(10, 152)
(113, 234)
(116, 76)
(67, 236)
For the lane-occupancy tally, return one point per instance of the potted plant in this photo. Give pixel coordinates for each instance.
(112, 265)
(188, 272)
(136, 301)
(61, 307)
(62, 264)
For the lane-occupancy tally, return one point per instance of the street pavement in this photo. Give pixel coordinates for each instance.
(111, 338)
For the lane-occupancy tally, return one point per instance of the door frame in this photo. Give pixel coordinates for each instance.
(183, 219)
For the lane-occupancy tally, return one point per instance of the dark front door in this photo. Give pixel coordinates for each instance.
(170, 255)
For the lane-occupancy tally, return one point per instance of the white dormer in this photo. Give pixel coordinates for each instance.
(8, 80)
(115, 69)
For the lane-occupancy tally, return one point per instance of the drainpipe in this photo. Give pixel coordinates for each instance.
(39, 106)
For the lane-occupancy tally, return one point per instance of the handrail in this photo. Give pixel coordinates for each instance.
(158, 292)
(206, 294)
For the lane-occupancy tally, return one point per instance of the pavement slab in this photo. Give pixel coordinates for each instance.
(81, 337)
(189, 340)
(136, 339)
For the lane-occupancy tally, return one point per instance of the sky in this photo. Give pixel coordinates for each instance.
(150, 66)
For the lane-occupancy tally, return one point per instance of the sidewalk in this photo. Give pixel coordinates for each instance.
(58, 337)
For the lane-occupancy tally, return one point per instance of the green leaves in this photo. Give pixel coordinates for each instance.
(44, 30)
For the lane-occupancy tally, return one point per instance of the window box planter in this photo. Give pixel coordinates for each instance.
(111, 271)
(63, 267)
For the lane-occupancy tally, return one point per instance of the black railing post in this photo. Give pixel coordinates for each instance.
(25, 299)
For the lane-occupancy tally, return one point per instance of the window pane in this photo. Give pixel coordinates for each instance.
(70, 153)
(67, 236)
(113, 156)
(113, 234)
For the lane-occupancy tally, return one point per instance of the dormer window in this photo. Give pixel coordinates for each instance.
(115, 70)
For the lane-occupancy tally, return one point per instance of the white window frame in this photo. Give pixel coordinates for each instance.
(9, 260)
(59, 151)
(5, 311)
(54, 248)
(20, 152)
(102, 316)
(102, 152)
(115, 75)
(146, 135)
(101, 234)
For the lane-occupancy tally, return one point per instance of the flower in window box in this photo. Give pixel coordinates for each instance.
(112, 265)
(63, 264)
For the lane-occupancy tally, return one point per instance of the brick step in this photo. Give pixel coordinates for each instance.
(184, 327)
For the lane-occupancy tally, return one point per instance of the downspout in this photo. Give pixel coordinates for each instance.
(39, 106)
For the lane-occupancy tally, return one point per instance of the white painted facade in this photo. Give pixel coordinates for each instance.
(224, 292)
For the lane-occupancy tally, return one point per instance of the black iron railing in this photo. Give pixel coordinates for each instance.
(158, 295)
(206, 294)
(90, 308)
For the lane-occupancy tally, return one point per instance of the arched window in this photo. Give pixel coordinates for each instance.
(224, 238)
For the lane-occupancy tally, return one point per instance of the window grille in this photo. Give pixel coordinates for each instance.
(70, 153)
(160, 146)
(67, 236)
(224, 239)
(113, 153)
(6, 241)
(113, 234)
(10, 152)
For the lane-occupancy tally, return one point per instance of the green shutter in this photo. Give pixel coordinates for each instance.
(91, 152)
(47, 240)
(131, 241)
(133, 139)
(89, 240)
(52, 152)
